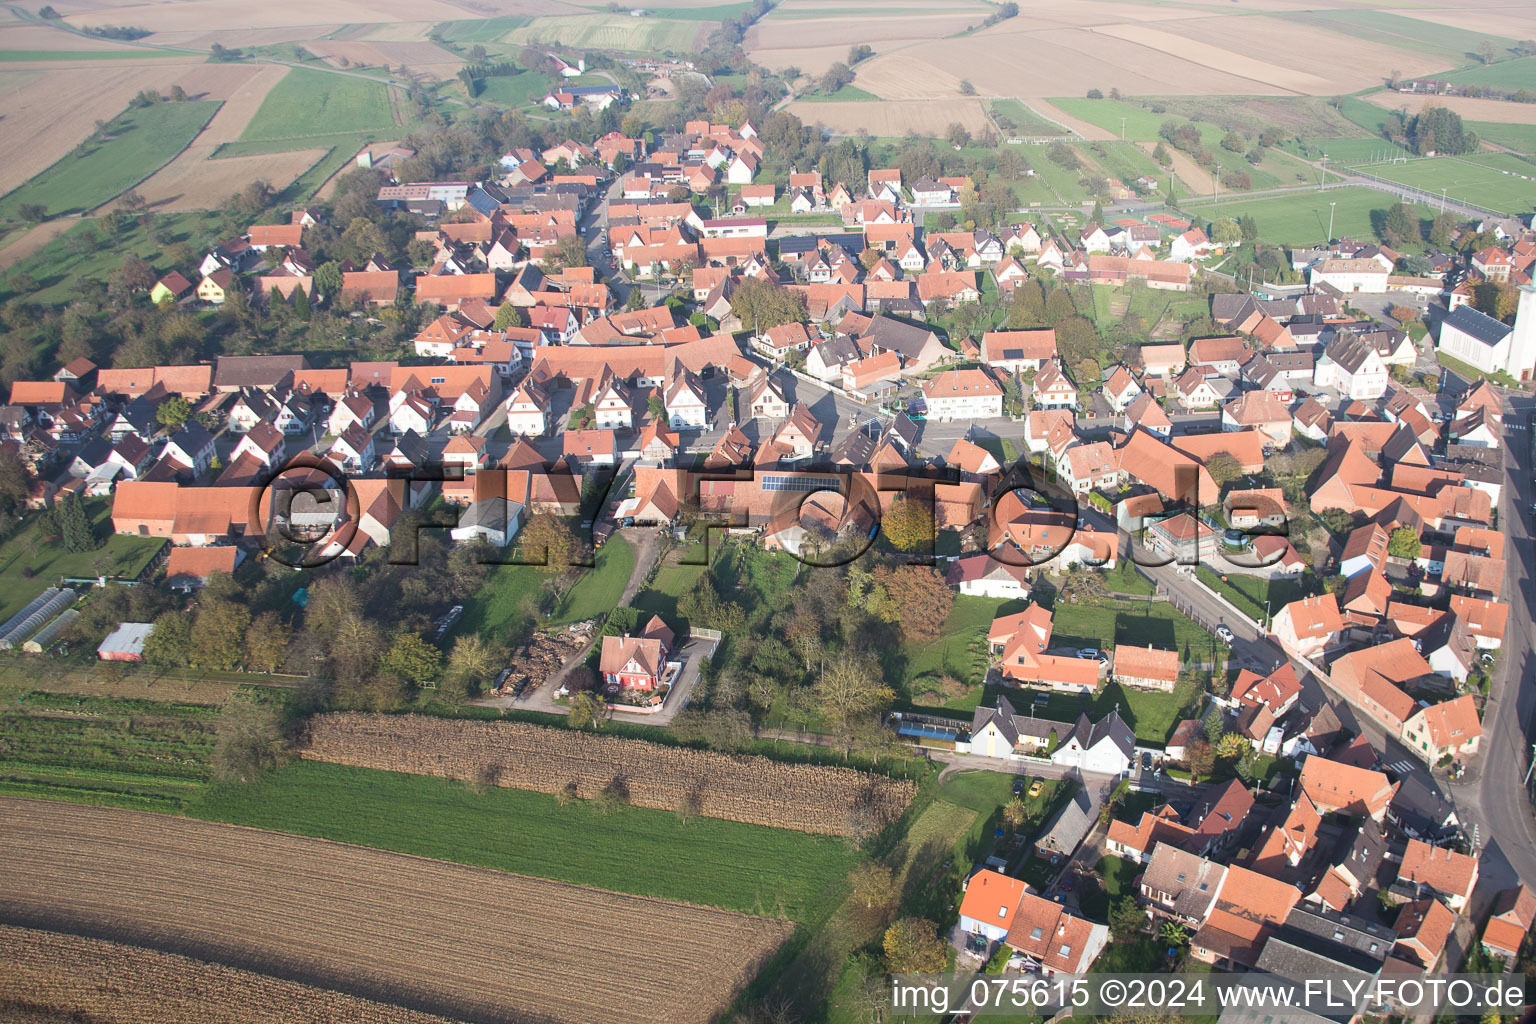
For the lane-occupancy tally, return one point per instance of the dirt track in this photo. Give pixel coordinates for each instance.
(431, 936)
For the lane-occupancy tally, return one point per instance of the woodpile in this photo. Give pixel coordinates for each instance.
(758, 790)
(545, 653)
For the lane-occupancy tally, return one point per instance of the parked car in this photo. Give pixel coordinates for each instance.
(1088, 652)
(1037, 787)
(1018, 785)
(1224, 634)
(1146, 760)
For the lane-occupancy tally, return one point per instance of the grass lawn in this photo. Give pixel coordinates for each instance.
(1116, 875)
(1024, 120)
(141, 141)
(500, 600)
(1302, 219)
(1515, 74)
(598, 590)
(308, 103)
(515, 90)
(637, 850)
(1496, 181)
(1249, 593)
(45, 556)
(673, 581)
(1124, 579)
(961, 651)
(1469, 373)
(85, 252)
(1341, 152)
(1144, 623)
(1067, 183)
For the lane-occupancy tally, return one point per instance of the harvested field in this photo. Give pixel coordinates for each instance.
(57, 977)
(895, 118)
(757, 790)
(614, 32)
(1064, 62)
(1469, 107)
(1220, 58)
(400, 31)
(418, 56)
(1088, 130)
(202, 39)
(55, 109)
(33, 239)
(786, 33)
(1517, 22)
(31, 36)
(194, 182)
(431, 936)
(199, 14)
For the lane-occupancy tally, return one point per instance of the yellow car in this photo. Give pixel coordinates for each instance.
(1037, 788)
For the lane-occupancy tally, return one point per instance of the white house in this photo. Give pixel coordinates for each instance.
(611, 407)
(1352, 366)
(525, 410)
(963, 394)
(1489, 345)
(1367, 276)
(1106, 747)
(686, 409)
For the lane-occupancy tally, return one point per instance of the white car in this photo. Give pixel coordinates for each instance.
(1224, 634)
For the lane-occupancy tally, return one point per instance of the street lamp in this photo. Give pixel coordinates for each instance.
(1218, 183)
(1122, 129)
(1442, 200)
(1330, 221)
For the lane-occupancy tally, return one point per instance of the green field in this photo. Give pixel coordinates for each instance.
(1026, 122)
(481, 30)
(610, 32)
(1519, 137)
(313, 103)
(1511, 75)
(1302, 219)
(961, 651)
(123, 753)
(846, 93)
(1342, 152)
(19, 56)
(1456, 46)
(647, 852)
(63, 265)
(142, 140)
(1141, 124)
(514, 90)
(1367, 116)
(1496, 181)
(31, 561)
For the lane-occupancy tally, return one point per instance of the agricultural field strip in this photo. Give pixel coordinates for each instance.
(109, 981)
(758, 790)
(429, 934)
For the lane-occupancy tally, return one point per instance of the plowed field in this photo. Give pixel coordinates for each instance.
(430, 936)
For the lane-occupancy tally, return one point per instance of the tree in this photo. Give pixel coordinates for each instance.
(1401, 224)
(301, 304)
(173, 413)
(1223, 468)
(1015, 813)
(15, 481)
(760, 304)
(1404, 542)
(328, 280)
(1160, 154)
(507, 315)
(1226, 231)
(957, 135)
(874, 885)
(218, 633)
(248, 739)
(552, 537)
(1442, 230)
(1058, 306)
(909, 525)
(266, 643)
(1098, 213)
(1126, 919)
(32, 213)
(1232, 746)
(1248, 227)
(473, 660)
(1082, 585)
(1076, 340)
(636, 300)
(169, 644)
(1200, 757)
(915, 597)
(412, 658)
(966, 88)
(1487, 50)
(849, 687)
(912, 946)
(1174, 933)
(589, 709)
(75, 528)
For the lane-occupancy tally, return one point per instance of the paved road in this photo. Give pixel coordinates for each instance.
(1496, 800)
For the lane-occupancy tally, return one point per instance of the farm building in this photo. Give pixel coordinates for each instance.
(126, 642)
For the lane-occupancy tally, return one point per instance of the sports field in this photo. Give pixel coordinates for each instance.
(1302, 219)
(138, 143)
(309, 103)
(1496, 181)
